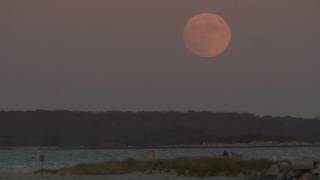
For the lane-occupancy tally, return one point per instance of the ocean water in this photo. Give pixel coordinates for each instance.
(27, 159)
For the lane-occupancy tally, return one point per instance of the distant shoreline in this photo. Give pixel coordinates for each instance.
(222, 146)
(227, 146)
(212, 147)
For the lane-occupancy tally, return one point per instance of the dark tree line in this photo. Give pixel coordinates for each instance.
(68, 128)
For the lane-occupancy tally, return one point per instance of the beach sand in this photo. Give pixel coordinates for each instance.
(30, 176)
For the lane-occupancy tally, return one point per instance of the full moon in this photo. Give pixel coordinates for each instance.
(207, 35)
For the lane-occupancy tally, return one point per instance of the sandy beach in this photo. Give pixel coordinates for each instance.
(30, 176)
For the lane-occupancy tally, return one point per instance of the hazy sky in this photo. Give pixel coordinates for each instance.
(129, 55)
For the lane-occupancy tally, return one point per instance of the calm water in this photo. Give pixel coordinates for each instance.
(27, 159)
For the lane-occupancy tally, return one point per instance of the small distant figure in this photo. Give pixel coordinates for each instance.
(316, 164)
(152, 153)
(42, 159)
(316, 169)
(225, 154)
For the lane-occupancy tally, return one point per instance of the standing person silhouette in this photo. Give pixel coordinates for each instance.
(152, 153)
(42, 159)
(225, 154)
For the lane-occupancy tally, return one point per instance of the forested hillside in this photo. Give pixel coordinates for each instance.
(67, 128)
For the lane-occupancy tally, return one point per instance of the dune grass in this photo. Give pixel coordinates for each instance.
(197, 167)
